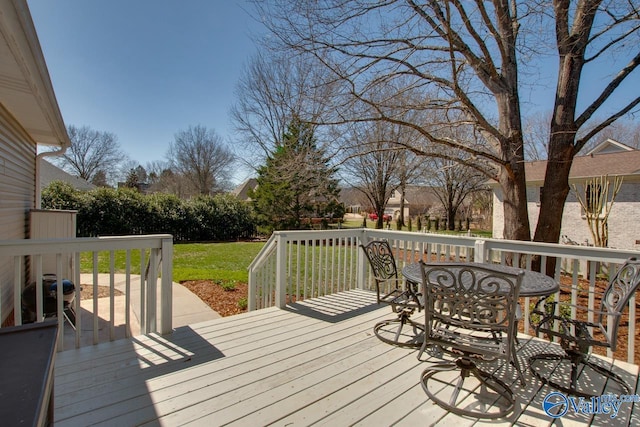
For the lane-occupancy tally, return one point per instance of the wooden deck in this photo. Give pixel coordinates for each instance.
(317, 362)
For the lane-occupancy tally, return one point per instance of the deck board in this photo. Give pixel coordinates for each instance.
(316, 362)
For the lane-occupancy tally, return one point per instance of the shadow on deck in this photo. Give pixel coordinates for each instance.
(316, 362)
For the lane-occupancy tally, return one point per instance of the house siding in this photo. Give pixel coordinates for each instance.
(624, 227)
(17, 195)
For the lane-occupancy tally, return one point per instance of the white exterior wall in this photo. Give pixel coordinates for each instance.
(624, 220)
(17, 195)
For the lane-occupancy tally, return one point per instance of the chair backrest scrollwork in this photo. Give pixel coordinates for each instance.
(475, 299)
(381, 259)
(616, 296)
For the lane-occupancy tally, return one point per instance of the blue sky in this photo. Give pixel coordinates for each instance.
(145, 69)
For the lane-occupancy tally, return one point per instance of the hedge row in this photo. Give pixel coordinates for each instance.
(109, 212)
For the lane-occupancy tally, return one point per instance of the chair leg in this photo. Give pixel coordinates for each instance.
(576, 360)
(386, 332)
(489, 393)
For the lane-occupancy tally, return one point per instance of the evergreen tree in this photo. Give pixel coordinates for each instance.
(132, 179)
(296, 183)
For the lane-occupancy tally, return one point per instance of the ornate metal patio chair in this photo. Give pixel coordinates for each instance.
(579, 332)
(470, 314)
(403, 297)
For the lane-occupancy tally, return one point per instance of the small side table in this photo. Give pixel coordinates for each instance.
(26, 373)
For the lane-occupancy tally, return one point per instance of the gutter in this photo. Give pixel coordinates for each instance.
(39, 158)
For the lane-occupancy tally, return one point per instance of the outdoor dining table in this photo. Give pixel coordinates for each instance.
(533, 284)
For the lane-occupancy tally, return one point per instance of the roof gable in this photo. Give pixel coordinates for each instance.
(621, 163)
(609, 146)
(26, 91)
(242, 190)
(50, 173)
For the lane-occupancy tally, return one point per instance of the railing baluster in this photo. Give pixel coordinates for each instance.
(631, 342)
(38, 287)
(95, 297)
(127, 293)
(77, 300)
(152, 292)
(17, 289)
(144, 328)
(60, 301)
(112, 300)
(313, 268)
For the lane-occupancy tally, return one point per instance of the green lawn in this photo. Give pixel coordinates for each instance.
(221, 261)
(191, 261)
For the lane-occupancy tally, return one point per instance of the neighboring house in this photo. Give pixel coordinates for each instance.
(418, 201)
(242, 190)
(608, 158)
(50, 173)
(29, 116)
(353, 200)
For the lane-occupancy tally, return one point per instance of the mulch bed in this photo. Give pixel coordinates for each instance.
(224, 301)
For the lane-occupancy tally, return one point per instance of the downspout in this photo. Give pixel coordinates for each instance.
(39, 158)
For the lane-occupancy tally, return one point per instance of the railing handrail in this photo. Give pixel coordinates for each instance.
(46, 246)
(264, 253)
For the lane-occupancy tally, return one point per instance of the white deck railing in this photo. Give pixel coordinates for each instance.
(154, 306)
(303, 264)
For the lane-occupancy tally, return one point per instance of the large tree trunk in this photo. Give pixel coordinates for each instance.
(402, 201)
(511, 175)
(516, 218)
(451, 219)
(563, 130)
(555, 192)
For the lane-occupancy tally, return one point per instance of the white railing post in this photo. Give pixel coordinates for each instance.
(166, 298)
(256, 272)
(251, 297)
(362, 262)
(479, 251)
(281, 276)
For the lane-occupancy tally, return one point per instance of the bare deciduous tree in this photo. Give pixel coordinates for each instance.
(274, 90)
(201, 157)
(453, 183)
(91, 151)
(374, 164)
(586, 32)
(467, 57)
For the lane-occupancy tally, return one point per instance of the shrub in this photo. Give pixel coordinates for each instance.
(60, 195)
(105, 211)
